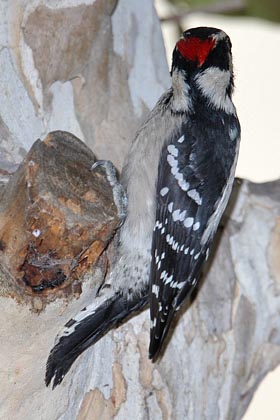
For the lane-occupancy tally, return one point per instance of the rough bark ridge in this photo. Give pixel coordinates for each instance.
(77, 65)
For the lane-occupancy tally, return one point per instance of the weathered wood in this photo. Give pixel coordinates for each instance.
(56, 218)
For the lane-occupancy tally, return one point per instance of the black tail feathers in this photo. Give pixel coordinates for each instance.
(88, 327)
(159, 332)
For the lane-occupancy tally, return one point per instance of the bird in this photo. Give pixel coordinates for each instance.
(178, 176)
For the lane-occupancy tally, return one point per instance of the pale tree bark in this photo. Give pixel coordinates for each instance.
(95, 68)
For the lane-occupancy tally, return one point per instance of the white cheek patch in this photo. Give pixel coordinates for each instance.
(211, 83)
(180, 102)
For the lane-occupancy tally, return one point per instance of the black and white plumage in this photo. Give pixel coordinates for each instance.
(194, 171)
(178, 178)
(195, 175)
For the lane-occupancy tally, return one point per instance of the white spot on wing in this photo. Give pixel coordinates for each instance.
(172, 161)
(196, 226)
(168, 279)
(163, 275)
(188, 222)
(179, 177)
(155, 290)
(153, 323)
(233, 133)
(184, 185)
(170, 207)
(169, 239)
(164, 191)
(194, 194)
(174, 245)
(158, 225)
(175, 171)
(181, 139)
(178, 215)
(172, 150)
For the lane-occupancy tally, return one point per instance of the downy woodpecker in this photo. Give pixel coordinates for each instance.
(178, 178)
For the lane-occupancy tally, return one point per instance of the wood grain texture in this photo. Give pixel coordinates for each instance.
(56, 218)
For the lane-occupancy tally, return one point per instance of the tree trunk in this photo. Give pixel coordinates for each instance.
(95, 68)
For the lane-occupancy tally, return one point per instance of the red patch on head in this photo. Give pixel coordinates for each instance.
(195, 49)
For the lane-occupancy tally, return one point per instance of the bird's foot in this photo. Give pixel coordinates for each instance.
(119, 193)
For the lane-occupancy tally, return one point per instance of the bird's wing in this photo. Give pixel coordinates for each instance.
(188, 190)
